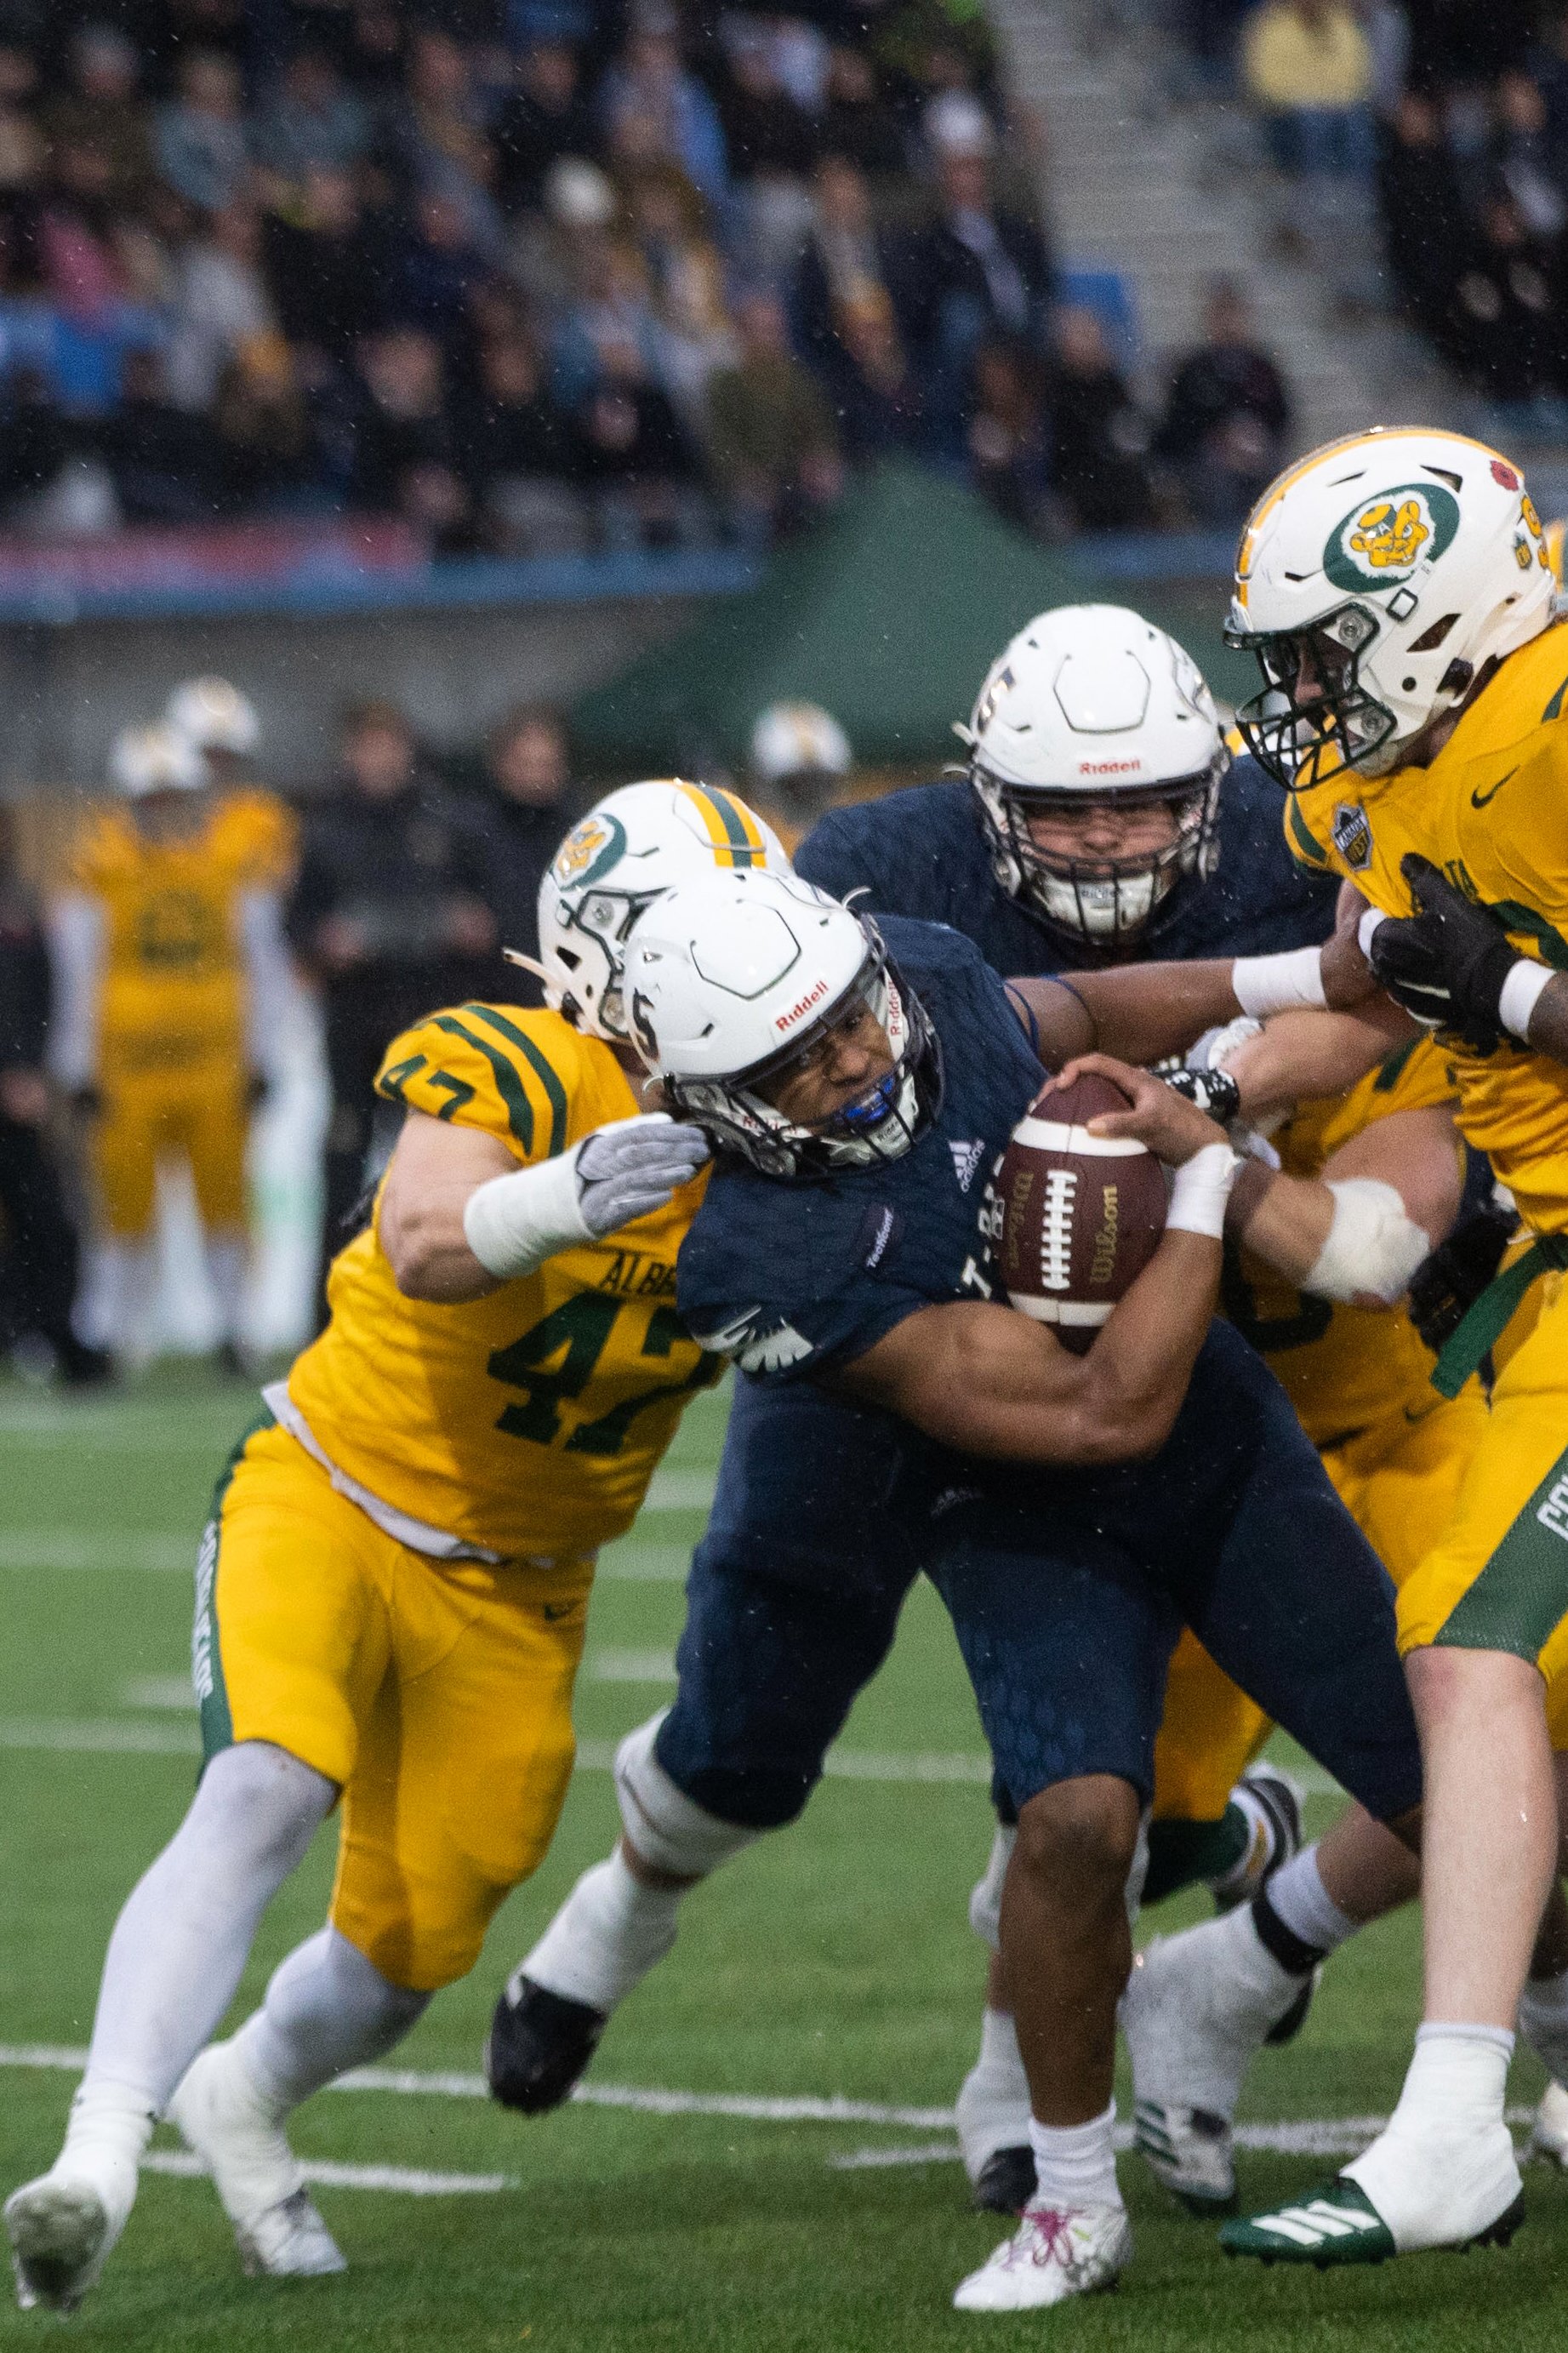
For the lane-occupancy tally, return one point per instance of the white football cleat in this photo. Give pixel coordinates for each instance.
(1190, 2152)
(63, 2226)
(1056, 2252)
(236, 2135)
(1549, 2134)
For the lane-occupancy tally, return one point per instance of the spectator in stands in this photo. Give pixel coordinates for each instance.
(867, 375)
(77, 229)
(546, 116)
(773, 444)
(1527, 159)
(36, 440)
(649, 80)
(1099, 439)
(100, 108)
(159, 456)
(518, 454)
(847, 258)
(1227, 414)
(609, 304)
(1507, 343)
(979, 272)
(439, 267)
(406, 457)
(769, 138)
(200, 136)
(857, 121)
(328, 268)
(691, 329)
(313, 121)
(436, 132)
(220, 303)
(1309, 67)
(389, 915)
(38, 1256)
(1006, 439)
(264, 452)
(1425, 232)
(527, 771)
(635, 458)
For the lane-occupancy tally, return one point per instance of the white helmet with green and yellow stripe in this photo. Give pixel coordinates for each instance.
(631, 848)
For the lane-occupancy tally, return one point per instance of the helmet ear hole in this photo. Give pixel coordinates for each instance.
(1457, 677)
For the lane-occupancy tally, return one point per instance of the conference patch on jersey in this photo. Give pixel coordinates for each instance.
(589, 849)
(1352, 834)
(1383, 541)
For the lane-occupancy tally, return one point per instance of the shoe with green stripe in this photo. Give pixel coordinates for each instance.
(1337, 2223)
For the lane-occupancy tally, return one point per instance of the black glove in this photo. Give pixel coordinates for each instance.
(1447, 963)
(1215, 1092)
(1446, 1285)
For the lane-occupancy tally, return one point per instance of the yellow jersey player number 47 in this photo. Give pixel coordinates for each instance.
(392, 1589)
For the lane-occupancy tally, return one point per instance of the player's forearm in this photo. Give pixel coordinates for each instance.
(1548, 1027)
(1303, 1057)
(1140, 1013)
(1284, 1220)
(421, 1236)
(1136, 1375)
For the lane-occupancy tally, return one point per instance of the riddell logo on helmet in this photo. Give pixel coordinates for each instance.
(1110, 767)
(813, 996)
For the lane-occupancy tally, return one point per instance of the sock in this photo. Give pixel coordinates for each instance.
(181, 1941)
(999, 2043)
(1182, 1853)
(1075, 2164)
(1444, 2168)
(1258, 1847)
(327, 2009)
(1306, 1923)
(227, 1259)
(129, 1294)
(611, 1930)
(110, 2125)
(1544, 2021)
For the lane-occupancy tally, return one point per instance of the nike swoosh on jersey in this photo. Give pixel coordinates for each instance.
(1480, 800)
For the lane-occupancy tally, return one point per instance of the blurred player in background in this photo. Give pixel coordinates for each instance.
(797, 764)
(170, 976)
(38, 1250)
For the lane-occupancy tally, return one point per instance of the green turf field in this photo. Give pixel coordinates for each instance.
(834, 1960)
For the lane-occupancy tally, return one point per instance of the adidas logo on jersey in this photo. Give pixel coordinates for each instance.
(966, 1159)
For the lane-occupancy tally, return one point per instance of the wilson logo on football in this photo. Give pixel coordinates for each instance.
(1383, 541)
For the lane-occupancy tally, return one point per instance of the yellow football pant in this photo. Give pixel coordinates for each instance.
(197, 1110)
(437, 1694)
(1400, 1481)
(1496, 1579)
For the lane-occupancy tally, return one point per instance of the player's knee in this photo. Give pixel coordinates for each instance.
(670, 1829)
(270, 1803)
(1080, 1838)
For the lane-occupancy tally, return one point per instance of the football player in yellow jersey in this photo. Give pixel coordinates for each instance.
(173, 981)
(391, 1592)
(1397, 589)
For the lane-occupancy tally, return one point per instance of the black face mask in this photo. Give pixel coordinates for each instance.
(1304, 741)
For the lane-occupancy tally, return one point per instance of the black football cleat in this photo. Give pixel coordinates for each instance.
(537, 2046)
(1006, 2182)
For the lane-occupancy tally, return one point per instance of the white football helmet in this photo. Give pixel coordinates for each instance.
(1373, 581)
(797, 739)
(632, 846)
(214, 716)
(735, 978)
(1091, 703)
(143, 760)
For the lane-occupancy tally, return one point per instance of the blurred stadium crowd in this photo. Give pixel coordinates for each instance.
(198, 926)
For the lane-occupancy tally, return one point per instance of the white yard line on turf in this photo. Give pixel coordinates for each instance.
(407, 2180)
(87, 1548)
(111, 1736)
(1297, 2137)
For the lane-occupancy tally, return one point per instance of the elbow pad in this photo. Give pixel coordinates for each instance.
(1374, 1245)
(513, 1223)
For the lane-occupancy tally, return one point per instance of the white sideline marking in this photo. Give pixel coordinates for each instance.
(160, 1695)
(1301, 2136)
(630, 1666)
(100, 1738)
(680, 1491)
(408, 2179)
(173, 1553)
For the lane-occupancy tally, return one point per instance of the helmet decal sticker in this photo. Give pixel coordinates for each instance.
(589, 849)
(1385, 540)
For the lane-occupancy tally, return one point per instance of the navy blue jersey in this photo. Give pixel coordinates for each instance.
(921, 852)
(791, 1277)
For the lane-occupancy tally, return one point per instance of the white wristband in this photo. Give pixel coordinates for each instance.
(1520, 994)
(1370, 919)
(513, 1223)
(1201, 1191)
(1278, 983)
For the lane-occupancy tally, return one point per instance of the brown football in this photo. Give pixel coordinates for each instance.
(1081, 1214)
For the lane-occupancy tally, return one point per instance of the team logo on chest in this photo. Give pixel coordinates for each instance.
(1352, 834)
(1385, 540)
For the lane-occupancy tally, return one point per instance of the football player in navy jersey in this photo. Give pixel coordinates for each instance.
(1102, 818)
(1070, 1510)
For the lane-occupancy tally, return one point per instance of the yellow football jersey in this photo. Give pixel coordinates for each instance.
(1492, 812)
(528, 1423)
(1343, 1367)
(173, 984)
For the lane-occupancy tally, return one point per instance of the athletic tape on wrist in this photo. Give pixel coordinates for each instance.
(1279, 984)
(1520, 994)
(1201, 1190)
(1372, 1245)
(513, 1223)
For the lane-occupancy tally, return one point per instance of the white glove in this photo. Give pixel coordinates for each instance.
(624, 1170)
(1214, 1050)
